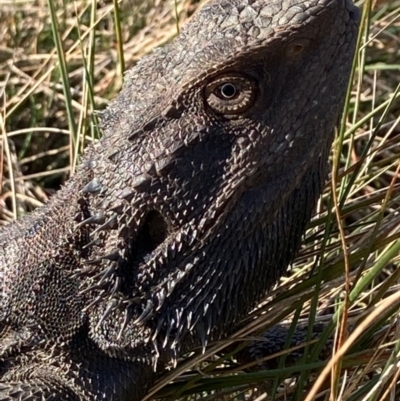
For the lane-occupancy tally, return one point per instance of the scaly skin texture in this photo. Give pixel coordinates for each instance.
(186, 212)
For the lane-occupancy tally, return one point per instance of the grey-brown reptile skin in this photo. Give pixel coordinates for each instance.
(191, 206)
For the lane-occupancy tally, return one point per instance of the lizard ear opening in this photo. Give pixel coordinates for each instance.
(154, 231)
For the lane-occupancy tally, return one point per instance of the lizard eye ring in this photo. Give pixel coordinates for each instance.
(231, 94)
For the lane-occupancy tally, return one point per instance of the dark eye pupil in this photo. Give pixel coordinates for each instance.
(228, 90)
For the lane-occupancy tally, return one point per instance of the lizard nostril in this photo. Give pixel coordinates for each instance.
(354, 12)
(353, 15)
(296, 49)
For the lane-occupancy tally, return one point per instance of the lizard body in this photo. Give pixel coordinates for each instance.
(191, 206)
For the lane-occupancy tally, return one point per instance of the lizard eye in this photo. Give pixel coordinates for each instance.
(228, 90)
(231, 94)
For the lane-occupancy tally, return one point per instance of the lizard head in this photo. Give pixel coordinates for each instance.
(212, 160)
